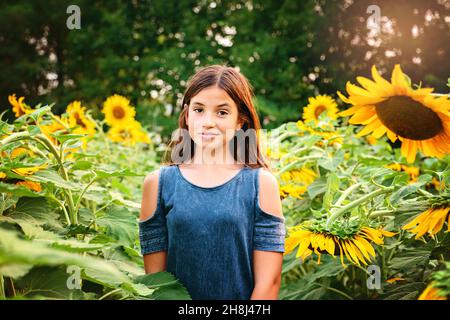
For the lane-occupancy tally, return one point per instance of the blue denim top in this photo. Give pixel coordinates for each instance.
(210, 233)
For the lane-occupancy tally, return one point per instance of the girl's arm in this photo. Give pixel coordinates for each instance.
(267, 272)
(267, 265)
(156, 261)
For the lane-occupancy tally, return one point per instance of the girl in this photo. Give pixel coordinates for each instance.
(212, 215)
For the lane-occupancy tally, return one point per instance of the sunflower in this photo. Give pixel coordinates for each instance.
(78, 120)
(19, 107)
(318, 106)
(129, 135)
(356, 246)
(117, 111)
(430, 221)
(419, 120)
(431, 293)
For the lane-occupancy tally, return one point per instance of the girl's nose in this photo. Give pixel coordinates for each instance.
(209, 122)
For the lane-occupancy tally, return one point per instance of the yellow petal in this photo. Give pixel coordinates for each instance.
(357, 252)
(383, 83)
(399, 81)
(343, 98)
(362, 116)
(303, 247)
(350, 111)
(366, 245)
(370, 127)
(351, 251)
(358, 243)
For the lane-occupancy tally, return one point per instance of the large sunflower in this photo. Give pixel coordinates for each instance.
(356, 246)
(319, 105)
(118, 111)
(418, 119)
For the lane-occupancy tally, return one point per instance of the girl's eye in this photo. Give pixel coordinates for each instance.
(223, 113)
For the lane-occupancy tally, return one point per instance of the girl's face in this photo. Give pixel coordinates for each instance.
(212, 118)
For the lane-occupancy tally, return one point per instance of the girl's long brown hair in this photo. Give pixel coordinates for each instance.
(239, 89)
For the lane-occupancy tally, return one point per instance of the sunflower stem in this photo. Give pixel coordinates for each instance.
(2, 287)
(45, 141)
(345, 194)
(425, 193)
(339, 212)
(66, 215)
(15, 137)
(285, 135)
(84, 190)
(381, 213)
(294, 163)
(109, 293)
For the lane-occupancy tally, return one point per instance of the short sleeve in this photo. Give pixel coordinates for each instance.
(269, 230)
(153, 230)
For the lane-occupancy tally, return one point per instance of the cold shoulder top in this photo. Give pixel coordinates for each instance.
(210, 232)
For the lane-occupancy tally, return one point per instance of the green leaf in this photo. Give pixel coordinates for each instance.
(37, 211)
(19, 191)
(318, 187)
(292, 127)
(50, 176)
(289, 262)
(14, 250)
(405, 191)
(410, 258)
(107, 171)
(328, 268)
(49, 282)
(407, 291)
(63, 137)
(15, 270)
(168, 287)
(331, 189)
(120, 224)
(331, 163)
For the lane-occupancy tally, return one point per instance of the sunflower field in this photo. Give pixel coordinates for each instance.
(364, 183)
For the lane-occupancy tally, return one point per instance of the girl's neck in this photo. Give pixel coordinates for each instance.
(213, 158)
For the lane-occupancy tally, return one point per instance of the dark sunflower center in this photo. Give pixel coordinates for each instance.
(118, 113)
(408, 118)
(318, 111)
(78, 119)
